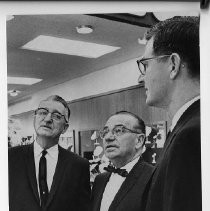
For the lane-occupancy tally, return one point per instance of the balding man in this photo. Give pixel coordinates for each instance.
(123, 187)
(44, 176)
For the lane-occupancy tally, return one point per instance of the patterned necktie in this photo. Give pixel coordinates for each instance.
(112, 169)
(43, 179)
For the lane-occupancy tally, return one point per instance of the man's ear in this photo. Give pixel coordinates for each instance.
(66, 126)
(140, 140)
(175, 64)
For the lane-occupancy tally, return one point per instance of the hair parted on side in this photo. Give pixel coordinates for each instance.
(179, 35)
(62, 101)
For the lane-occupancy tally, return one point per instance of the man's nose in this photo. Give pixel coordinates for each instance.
(48, 117)
(141, 79)
(109, 137)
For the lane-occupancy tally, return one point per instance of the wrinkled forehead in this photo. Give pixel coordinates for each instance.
(54, 106)
(121, 119)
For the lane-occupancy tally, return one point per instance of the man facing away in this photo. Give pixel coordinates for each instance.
(44, 176)
(171, 72)
(122, 188)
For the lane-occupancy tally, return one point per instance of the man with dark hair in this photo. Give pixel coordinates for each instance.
(122, 187)
(44, 176)
(170, 69)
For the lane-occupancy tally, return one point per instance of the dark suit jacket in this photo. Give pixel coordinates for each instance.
(70, 189)
(131, 193)
(176, 183)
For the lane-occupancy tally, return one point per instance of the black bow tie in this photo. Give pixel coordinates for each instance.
(112, 169)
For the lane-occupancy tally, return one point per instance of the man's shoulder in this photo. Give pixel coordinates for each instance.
(191, 126)
(72, 156)
(144, 170)
(147, 166)
(19, 149)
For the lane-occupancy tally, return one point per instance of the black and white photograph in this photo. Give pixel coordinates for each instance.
(104, 110)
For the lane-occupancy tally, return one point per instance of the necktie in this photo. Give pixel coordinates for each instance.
(112, 169)
(43, 179)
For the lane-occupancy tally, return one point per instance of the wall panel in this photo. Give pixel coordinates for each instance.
(92, 113)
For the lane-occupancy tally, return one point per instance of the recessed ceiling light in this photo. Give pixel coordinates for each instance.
(84, 29)
(70, 47)
(13, 93)
(22, 80)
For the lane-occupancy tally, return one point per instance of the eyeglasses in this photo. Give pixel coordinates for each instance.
(142, 66)
(116, 131)
(43, 112)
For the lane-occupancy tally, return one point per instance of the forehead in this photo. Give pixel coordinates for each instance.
(52, 106)
(149, 48)
(121, 119)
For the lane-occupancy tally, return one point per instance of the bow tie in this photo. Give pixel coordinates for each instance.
(121, 172)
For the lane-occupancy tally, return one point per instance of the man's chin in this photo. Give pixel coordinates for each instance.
(45, 134)
(110, 155)
(149, 101)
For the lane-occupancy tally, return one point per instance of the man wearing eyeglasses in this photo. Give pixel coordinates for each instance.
(123, 186)
(170, 69)
(43, 176)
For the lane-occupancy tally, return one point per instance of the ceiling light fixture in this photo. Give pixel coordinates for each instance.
(22, 80)
(69, 47)
(84, 29)
(13, 93)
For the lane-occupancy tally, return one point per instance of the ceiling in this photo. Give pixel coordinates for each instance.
(121, 30)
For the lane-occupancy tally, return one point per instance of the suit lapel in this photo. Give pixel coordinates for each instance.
(128, 184)
(195, 107)
(29, 159)
(183, 119)
(100, 190)
(60, 167)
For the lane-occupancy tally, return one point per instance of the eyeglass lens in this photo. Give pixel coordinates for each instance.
(44, 112)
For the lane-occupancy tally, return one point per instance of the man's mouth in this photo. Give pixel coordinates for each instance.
(111, 146)
(46, 126)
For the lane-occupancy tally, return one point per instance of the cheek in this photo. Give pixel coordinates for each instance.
(127, 144)
(60, 128)
(36, 123)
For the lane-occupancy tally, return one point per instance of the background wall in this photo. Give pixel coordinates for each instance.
(112, 78)
(91, 113)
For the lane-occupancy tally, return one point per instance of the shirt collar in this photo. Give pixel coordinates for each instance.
(181, 111)
(52, 151)
(128, 167)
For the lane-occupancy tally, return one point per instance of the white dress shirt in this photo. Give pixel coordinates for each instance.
(52, 159)
(114, 184)
(181, 111)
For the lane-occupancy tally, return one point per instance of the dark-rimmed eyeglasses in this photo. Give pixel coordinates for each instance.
(116, 131)
(43, 112)
(142, 65)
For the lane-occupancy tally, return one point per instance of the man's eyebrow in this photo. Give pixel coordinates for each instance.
(54, 111)
(119, 125)
(42, 108)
